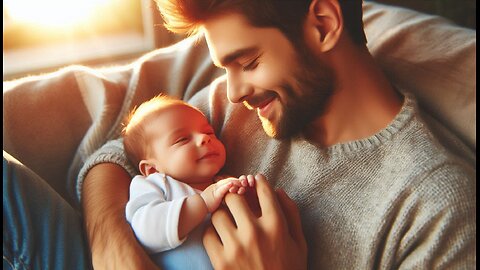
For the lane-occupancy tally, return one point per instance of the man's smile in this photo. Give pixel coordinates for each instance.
(265, 107)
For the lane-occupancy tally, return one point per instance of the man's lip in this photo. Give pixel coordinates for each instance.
(265, 107)
(264, 103)
(260, 101)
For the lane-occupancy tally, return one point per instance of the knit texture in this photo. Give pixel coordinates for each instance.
(395, 200)
(73, 112)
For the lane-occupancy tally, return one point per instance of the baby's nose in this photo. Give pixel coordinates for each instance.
(203, 139)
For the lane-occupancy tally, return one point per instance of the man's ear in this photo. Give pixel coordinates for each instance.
(324, 24)
(147, 167)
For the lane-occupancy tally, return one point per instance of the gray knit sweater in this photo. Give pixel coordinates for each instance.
(395, 200)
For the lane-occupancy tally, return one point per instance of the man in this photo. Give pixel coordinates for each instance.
(342, 135)
(374, 188)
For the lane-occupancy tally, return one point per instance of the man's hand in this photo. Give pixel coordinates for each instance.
(272, 240)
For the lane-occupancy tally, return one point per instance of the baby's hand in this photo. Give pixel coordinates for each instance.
(213, 195)
(231, 184)
(247, 181)
(237, 185)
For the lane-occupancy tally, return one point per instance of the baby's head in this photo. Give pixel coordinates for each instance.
(170, 136)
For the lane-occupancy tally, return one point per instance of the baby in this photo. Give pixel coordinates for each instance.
(178, 156)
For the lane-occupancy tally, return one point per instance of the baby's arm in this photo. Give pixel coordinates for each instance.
(196, 207)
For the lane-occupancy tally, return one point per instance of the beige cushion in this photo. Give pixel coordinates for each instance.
(431, 57)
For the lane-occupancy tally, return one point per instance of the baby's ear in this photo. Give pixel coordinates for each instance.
(147, 167)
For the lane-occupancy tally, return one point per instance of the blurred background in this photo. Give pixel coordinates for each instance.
(42, 36)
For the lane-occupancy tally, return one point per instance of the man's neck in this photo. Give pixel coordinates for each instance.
(362, 104)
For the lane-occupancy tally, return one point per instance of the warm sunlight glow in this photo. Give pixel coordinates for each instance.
(55, 13)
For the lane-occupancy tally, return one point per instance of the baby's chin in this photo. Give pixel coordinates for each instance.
(203, 178)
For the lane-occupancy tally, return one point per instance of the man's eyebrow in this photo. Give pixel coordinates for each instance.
(229, 58)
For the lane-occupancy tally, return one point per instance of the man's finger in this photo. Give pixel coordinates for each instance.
(223, 224)
(292, 215)
(239, 208)
(266, 197)
(212, 243)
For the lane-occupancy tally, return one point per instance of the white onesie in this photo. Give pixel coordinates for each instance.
(153, 211)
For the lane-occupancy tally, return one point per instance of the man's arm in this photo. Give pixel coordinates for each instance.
(273, 240)
(111, 239)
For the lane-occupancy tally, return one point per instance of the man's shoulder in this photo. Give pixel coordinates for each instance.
(428, 159)
(427, 148)
(216, 89)
(425, 139)
(447, 139)
(219, 84)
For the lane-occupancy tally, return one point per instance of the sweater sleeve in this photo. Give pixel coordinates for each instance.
(435, 224)
(180, 70)
(111, 152)
(153, 215)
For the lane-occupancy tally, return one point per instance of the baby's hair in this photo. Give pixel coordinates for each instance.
(135, 137)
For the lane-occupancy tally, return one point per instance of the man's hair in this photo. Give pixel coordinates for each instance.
(134, 133)
(187, 16)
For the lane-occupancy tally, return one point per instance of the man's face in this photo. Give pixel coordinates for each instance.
(288, 89)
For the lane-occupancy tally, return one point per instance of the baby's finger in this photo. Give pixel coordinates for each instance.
(244, 182)
(224, 181)
(221, 190)
(236, 182)
(251, 180)
(233, 189)
(241, 190)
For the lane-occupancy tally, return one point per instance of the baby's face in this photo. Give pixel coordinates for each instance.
(184, 145)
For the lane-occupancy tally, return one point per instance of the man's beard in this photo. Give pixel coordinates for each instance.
(305, 100)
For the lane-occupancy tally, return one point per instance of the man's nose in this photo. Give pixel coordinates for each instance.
(237, 89)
